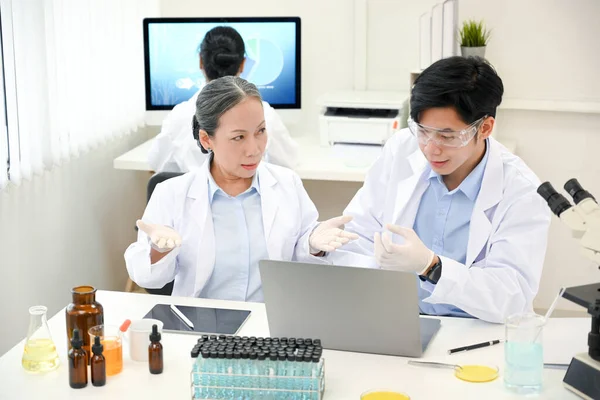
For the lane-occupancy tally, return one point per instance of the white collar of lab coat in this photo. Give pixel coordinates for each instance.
(199, 187)
(490, 193)
(198, 191)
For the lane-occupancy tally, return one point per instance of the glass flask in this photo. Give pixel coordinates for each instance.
(39, 354)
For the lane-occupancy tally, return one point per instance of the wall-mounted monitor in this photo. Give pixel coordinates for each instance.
(172, 61)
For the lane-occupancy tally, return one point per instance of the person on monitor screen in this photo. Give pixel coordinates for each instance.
(208, 229)
(450, 204)
(222, 53)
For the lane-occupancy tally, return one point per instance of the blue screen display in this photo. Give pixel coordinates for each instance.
(173, 61)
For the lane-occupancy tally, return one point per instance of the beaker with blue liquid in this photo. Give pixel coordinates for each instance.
(523, 353)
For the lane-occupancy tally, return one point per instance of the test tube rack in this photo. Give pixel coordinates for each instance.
(241, 368)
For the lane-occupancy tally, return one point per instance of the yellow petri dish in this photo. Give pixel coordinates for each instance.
(383, 395)
(476, 373)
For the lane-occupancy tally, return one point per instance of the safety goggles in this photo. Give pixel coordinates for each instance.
(442, 137)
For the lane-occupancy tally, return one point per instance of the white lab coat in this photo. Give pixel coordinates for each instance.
(175, 150)
(288, 215)
(508, 229)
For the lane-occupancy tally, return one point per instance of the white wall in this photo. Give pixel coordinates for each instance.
(542, 49)
(559, 146)
(393, 42)
(66, 228)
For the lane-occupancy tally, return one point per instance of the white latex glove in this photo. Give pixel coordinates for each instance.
(162, 238)
(329, 235)
(412, 256)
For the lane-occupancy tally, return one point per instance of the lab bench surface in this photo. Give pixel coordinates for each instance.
(347, 374)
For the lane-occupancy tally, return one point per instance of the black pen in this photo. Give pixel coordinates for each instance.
(475, 346)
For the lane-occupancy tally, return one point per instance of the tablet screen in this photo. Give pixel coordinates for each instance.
(204, 320)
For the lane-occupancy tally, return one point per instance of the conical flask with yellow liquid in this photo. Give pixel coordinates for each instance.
(40, 353)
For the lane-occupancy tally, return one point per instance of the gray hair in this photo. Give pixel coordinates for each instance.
(215, 99)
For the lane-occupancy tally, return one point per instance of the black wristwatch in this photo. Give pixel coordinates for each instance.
(435, 273)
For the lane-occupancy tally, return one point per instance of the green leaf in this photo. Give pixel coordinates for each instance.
(474, 34)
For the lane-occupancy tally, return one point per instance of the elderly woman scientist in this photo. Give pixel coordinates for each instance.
(209, 228)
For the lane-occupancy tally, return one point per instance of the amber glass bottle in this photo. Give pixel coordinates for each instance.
(98, 364)
(77, 362)
(83, 313)
(155, 352)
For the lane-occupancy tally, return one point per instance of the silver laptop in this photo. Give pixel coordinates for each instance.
(352, 309)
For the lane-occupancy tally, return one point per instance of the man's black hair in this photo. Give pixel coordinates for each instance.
(470, 85)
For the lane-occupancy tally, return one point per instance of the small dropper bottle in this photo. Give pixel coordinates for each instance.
(78, 362)
(98, 363)
(155, 352)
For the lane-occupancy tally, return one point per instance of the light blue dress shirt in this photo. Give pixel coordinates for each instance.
(240, 244)
(442, 223)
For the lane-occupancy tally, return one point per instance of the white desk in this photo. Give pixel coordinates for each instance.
(347, 374)
(315, 162)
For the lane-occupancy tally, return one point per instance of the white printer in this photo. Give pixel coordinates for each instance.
(361, 117)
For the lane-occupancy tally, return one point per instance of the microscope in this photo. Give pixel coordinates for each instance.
(583, 375)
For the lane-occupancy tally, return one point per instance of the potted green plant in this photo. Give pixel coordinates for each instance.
(474, 38)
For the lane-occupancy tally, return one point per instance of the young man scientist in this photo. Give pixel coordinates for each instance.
(452, 205)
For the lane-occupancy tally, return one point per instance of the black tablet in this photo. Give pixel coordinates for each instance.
(194, 320)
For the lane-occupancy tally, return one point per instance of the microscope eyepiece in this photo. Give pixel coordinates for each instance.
(577, 192)
(556, 201)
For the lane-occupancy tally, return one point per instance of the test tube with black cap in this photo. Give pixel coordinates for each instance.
(202, 367)
(281, 370)
(262, 368)
(316, 372)
(306, 368)
(253, 369)
(205, 368)
(245, 365)
(274, 365)
(238, 380)
(291, 370)
(220, 368)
